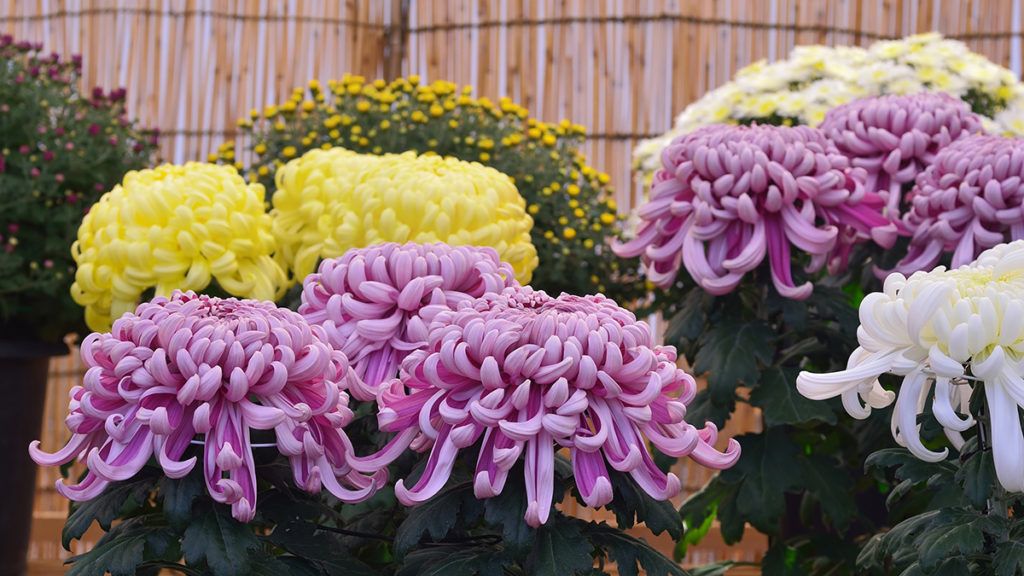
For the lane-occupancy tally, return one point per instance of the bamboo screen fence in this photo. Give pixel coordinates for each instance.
(623, 68)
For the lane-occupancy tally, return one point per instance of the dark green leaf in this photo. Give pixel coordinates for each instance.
(630, 501)
(559, 550)
(508, 511)
(626, 551)
(703, 410)
(832, 486)
(217, 540)
(781, 560)
(781, 403)
(698, 513)
(447, 559)
(688, 322)
(977, 475)
(106, 507)
(955, 533)
(767, 468)
(178, 495)
(435, 517)
(729, 354)
(121, 549)
(1009, 558)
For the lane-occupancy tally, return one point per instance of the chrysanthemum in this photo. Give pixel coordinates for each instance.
(728, 195)
(930, 327)
(968, 200)
(524, 371)
(173, 227)
(329, 201)
(376, 303)
(193, 365)
(894, 138)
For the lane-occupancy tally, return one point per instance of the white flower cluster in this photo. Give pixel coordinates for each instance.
(930, 328)
(800, 89)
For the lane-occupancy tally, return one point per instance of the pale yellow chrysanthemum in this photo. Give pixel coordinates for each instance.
(174, 227)
(329, 201)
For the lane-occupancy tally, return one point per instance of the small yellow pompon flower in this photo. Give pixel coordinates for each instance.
(329, 201)
(174, 227)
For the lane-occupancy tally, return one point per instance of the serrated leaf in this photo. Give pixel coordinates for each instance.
(767, 468)
(729, 355)
(508, 511)
(447, 559)
(121, 550)
(106, 507)
(977, 476)
(320, 547)
(217, 540)
(1009, 558)
(435, 517)
(559, 550)
(688, 322)
(177, 496)
(955, 532)
(631, 501)
(781, 560)
(703, 410)
(626, 551)
(782, 404)
(831, 484)
(698, 511)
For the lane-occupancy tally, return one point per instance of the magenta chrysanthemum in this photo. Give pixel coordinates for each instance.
(193, 365)
(376, 303)
(525, 371)
(968, 200)
(728, 195)
(895, 137)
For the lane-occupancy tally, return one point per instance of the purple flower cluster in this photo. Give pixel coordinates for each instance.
(895, 137)
(195, 365)
(727, 196)
(375, 303)
(523, 372)
(969, 199)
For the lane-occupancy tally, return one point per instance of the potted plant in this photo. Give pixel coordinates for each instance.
(60, 149)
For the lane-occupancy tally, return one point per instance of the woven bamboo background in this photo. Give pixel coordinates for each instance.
(623, 68)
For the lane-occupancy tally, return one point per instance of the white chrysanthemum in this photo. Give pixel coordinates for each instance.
(930, 328)
(823, 77)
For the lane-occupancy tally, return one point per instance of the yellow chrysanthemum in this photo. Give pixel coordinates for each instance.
(330, 201)
(173, 227)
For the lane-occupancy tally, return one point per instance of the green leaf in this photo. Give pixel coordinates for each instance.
(508, 511)
(781, 560)
(688, 323)
(767, 468)
(121, 549)
(910, 470)
(219, 541)
(626, 551)
(703, 410)
(630, 501)
(559, 550)
(1009, 558)
(448, 560)
(177, 496)
(698, 513)
(832, 485)
(435, 517)
(729, 354)
(106, 507)
(956, 532)
(977, 475)
(781, 403)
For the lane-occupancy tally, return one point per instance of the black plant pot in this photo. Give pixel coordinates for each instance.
(23, 373)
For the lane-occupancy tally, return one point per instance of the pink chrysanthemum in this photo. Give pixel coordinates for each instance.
(968, 200)
(526, 371)
(728, 195)
(198, 365)
(895, 137)
(375, 303)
